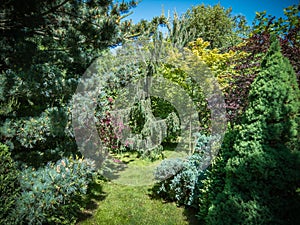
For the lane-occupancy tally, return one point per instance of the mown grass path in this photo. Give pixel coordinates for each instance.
(120, 204)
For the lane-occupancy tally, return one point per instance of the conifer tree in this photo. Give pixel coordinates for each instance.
(45, 48)
(261, 171)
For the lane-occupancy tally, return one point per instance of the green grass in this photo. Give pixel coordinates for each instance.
(130, 204)
(136, 171)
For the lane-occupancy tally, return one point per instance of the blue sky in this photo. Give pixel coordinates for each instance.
(147, 9)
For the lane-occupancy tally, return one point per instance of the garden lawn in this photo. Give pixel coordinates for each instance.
(127, 204)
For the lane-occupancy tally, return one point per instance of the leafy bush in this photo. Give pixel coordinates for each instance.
(9, 185)
(181, 179)
(180, 187)
(215, 174)
(152, 154)
(53, 194)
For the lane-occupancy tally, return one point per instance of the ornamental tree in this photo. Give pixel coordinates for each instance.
(256, 45)
(216, 25)
(261, 166)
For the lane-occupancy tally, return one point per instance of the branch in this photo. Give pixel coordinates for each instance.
(79, 17)
(54, 8)
(43, 34)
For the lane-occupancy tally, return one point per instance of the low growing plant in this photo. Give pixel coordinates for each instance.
(53, 194)
(180, 179)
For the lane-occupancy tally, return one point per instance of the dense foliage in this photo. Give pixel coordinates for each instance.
(216, 25)
(46, 47)
(258, 172)
(9, 185)
(256, 45)
(53, 194)
(179, 180)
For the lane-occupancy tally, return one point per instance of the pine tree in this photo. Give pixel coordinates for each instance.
(45, 48)
(261, 170)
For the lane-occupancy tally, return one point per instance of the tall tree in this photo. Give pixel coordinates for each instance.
(261, 166)
(216, 25)
(287, 29)
(46, 46)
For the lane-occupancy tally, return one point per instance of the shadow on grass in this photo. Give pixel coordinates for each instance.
(95, 195)
(189, 212)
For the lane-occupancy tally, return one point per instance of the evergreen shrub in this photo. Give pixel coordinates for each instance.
(261, 167)
(55, 193)
(180, 179)
(9, 185)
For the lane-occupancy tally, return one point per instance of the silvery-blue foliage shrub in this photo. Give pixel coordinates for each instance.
(180, 179)
(53, 194)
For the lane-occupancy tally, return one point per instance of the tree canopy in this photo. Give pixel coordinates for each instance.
(46, 47)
